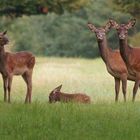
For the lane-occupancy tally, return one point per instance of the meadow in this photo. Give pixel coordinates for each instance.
(102, 119)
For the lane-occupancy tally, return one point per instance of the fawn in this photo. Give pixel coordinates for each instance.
(57, 95)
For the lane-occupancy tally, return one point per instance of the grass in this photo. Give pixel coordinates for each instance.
(70, 121)
(100, 120)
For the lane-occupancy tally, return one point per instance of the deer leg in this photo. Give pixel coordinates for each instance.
(5, 84)
(30, 89)
(136, 85)
(117, 88)
(28, 79)
(124, 86)
(9, 87)
(25, 79)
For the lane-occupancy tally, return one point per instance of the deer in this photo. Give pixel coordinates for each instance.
(112, 59)
(130, 55)
(19, 63)
(57, 96)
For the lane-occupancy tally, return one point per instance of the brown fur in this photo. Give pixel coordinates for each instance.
(20, 63)
(57, 95)
(131, 56)
(113, 60)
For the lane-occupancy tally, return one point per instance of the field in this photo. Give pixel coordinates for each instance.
(101, 120)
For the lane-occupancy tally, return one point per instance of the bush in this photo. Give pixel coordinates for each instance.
(63, 35)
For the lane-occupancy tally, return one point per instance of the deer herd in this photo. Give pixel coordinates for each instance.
(122, 64)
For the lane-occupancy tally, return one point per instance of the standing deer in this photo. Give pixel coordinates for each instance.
(57, 95)
(131, 56)
(112, 58)
(20, 63)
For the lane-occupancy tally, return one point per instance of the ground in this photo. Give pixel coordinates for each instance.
(102, 119)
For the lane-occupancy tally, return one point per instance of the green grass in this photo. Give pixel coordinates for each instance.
(70, 121)
(100, 120)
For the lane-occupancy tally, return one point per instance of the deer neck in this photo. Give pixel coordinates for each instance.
(124, 49)
(2, 59)
(104, 50)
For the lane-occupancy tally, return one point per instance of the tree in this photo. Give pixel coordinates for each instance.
(15, 8)
(63, 35)
(129, 6)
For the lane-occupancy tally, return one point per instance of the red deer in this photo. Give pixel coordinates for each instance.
(112, 58)
(57, 95)
(20, 63)
(131, 56)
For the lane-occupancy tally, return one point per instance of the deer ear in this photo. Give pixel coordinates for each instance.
(91, 27)
(57, 88)
(131, 23)
(4, 33)
(114, 24)
(107, 26)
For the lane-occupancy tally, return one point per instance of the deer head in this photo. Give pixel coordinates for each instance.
(3, 38)
(54, 95)
(100, 32)
(122, 29)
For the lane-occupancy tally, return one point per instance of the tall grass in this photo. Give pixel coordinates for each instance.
(70, 121)
(76, 75)
(101, 120)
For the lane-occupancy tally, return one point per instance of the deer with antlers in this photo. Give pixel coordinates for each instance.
(131, 56)
(112, 58)
(20, 63)
(57, 95)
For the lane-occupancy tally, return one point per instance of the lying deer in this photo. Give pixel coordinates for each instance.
(20, 63)
(57, 95)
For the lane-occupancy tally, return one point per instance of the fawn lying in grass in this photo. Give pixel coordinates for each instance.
(57, 95)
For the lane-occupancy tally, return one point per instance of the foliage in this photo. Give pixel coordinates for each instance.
(53, 35)
(63, 35)
(135, 40)
(129, 6)
(15, 8)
